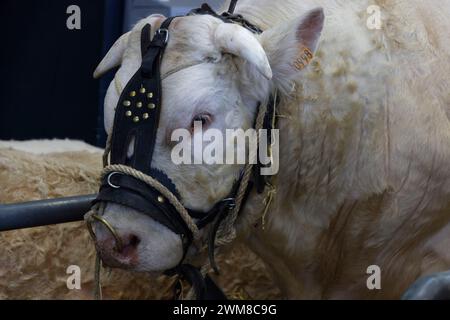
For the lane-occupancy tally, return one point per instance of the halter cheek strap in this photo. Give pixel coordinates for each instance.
(136, 121)
(139, 107)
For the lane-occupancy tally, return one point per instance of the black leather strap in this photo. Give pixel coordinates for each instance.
(146, 39)
(227, 17)
(204, 218)
(136, 194)
(138, 111)
(232, 6)
(204, 287)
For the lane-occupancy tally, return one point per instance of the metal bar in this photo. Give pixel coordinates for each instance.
(44, 212)
(432, 287)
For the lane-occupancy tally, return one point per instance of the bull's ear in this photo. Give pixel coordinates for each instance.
(290, 46)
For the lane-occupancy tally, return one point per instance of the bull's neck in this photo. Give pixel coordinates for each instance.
(337, 113)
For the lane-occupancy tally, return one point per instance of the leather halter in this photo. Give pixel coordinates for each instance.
(136, 121)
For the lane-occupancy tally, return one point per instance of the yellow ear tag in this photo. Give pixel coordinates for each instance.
(303, 59)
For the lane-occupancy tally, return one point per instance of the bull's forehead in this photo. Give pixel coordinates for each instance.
(190, 41)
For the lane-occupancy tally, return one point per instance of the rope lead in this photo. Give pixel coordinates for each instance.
(97, 281)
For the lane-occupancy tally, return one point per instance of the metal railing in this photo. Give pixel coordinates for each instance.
(63, 210)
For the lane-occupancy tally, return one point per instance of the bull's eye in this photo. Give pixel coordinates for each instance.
(212, 59)
(205, 119)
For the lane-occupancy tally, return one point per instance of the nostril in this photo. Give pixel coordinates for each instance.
(134, 240)
(130, 246)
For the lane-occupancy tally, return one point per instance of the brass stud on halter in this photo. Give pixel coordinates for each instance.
(119, 245)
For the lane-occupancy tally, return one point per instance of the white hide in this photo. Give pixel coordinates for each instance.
(364, 132)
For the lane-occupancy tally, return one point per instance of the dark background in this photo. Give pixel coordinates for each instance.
(46, 84)
(46, 88)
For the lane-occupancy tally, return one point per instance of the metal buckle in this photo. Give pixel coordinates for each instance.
(166, 32)
(229, 202)
(108, 180)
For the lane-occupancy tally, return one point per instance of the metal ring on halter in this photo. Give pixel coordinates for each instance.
(119, 244)
(109, 180)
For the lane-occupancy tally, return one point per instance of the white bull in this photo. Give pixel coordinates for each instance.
(364, 173)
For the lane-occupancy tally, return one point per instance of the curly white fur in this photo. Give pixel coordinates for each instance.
(364, 131)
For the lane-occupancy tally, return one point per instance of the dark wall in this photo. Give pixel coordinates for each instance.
(46, 85)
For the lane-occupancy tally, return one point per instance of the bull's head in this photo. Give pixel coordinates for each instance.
(213, 72)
